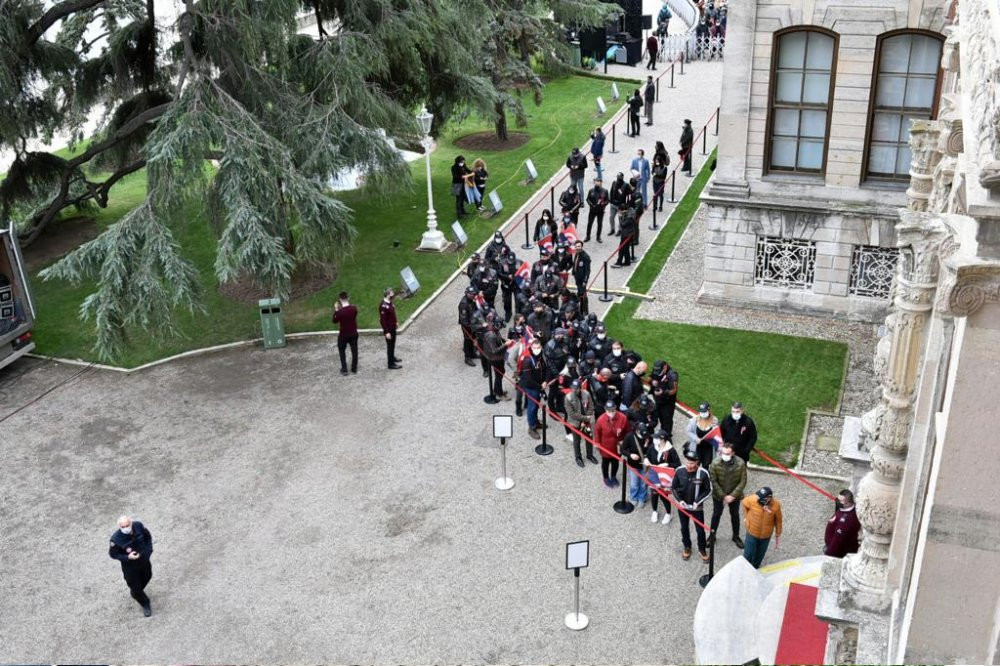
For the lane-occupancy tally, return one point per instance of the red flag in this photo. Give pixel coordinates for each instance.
(716, 434)
(546, 243)
(665, 473)
(529, 336)
(480, 301)
(570, 236)
(523, 274)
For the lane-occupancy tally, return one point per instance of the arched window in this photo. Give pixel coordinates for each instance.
(904, 88)
(802, 67)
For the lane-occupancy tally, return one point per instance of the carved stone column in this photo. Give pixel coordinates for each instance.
(921, 236)
(924, 149)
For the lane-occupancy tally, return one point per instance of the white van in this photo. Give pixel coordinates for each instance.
(17, 311)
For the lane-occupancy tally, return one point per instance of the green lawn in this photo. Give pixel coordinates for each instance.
(560, 123)
(778, 377)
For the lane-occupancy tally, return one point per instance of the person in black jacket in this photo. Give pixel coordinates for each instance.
(687, 146)
(569, 201)
(634, 107)
(691, 487)
(466, 308)
(629, 231)
(458, 173)
(577, 165)
(132, 545)
(664, 386)
(661, 453)
(617, 200)
(632, 385)
(597, 201)
(494, 347)
(546, 226)
(739, 430)
(530, 377)
(634, 453)
(581, 274)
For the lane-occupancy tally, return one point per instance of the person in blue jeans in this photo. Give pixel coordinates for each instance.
(597, 150)
(633, 452)
(531, 379)
(641, 170)
(763, 519)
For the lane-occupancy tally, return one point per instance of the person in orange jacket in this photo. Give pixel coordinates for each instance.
(762, 519)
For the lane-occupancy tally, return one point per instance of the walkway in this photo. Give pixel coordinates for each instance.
(300, 516)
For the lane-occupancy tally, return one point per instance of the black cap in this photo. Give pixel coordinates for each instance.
(662, 434)
(470, 289)
(610, 406)
(764, 494)
(704, 407)
(690, 454)
(737, 405)
(687, 122)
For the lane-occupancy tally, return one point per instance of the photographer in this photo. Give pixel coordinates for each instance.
(346, 315)
(580, 414)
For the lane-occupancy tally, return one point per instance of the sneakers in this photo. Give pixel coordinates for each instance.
(738, 541)
(686, 554)
(532, 433)
(569, 437)
(666, 519)
(615, 483)
(653, 518)
(704, 555)
(608, 483)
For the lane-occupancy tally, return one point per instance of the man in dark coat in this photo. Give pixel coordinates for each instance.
(634, 107)
(687, 145)
(577, 165)
(691, 487)
(597, 201)
(346, 315)
(649, 93)
(466, 308)
(581, 274)
(740, 430)
(664, 386)
(387, 318)
(843, 528)
(132, 545)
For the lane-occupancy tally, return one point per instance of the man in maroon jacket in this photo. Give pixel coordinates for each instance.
(387, 317)
(346, 315)
(842, 530)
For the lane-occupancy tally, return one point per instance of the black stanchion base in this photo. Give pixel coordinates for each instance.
(605, 299)
(526, 246)
(544, 450)
(491, 400)
(671, 200)
(624, 507)
(704, 580)
(653, 228)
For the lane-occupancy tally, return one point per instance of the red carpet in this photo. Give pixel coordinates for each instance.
(803, 636)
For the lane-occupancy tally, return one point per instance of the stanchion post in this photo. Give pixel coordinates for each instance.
(503, 427)
(654, 227)
(683, 58)
(544, 449)
(657, 89)
(717, 114)
(707, 578)
(623, 506)
(605, 297)
(527, 238)
(673, 183)
(552, 201)
(614, 133)
(672, 74)
(704, 141)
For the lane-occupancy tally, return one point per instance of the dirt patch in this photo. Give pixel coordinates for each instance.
(489, 141)
(58, 239)
(304, 284)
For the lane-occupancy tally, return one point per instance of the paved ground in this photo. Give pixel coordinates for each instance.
(303, 517)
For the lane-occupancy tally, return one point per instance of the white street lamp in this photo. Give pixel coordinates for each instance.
(432, 239)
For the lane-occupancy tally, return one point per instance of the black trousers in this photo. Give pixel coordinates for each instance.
(342, 345)
(137, 575)
(665, 412)
(576, 446)
(496, 388)
(656, 500)
(686, 529)
(718, 506)
(633, 124)
(625, 254)
(652, 60)
(467, 347)
(508, 303)
(390, 347)
(592, 215)
(460, 203)
(687, 160)
(658, 187)
(609, 467)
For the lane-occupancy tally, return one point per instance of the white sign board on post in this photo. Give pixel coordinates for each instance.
(601, 108)
(460, 237)
(614, 92)
(503, 427)
(495, 202)
(529, 167)
(577, 557)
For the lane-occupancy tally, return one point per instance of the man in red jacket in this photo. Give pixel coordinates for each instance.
(346, 315)
(842, 530)
(652, 48)
(387, 317)
(609, 431)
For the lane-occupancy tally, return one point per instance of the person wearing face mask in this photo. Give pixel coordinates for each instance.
(459, 174)
(570, 203)
(132, 545)
(540, 319)
(664, 387)
(629, 228)
(387, 318)
(516, 343)
(530, 377)
(691, 487)
(617, 201)
(615, 361)
(346, 315)
(497, 250)
(547, 287)
(466, 308)
(556, 353)
(633, 454)
(508, 267)
(609, 431)
(600, 343)
(739, 429)
(487, 282)
(580, 415)
(577, 165)
(843, 528)
(762, 519)
(545, 226)
(660, 453)
(699, 427)
(494, 349)
(729, 478)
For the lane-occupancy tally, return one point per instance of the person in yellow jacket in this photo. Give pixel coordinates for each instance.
(762, 519)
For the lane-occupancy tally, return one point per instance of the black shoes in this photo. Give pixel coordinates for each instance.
(592, 459)
(343, 371)
(738, 541)
(395, 366)
(469, 362)
(147, 610)
(519, 412)
(397, 360)
(579, 462)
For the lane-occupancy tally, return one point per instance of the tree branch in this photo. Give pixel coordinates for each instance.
(54, 15)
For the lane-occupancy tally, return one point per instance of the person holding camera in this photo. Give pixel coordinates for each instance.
(580, 414)
(762, 518)
(346, 315)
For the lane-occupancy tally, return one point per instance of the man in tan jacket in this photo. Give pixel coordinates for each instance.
(762, 519)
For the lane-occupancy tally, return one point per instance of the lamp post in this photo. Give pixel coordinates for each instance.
(432, 239)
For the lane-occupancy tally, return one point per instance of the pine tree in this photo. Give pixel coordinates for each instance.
(231, 81)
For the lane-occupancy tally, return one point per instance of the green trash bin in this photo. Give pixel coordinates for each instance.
(271, 323)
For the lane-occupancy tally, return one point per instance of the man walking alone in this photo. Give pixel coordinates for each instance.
(132, 545)
(387, 317)
(762, 519)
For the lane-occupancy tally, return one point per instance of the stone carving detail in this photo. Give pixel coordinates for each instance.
(982, 69)
(925, 156)
(973, 287)
(789, 263)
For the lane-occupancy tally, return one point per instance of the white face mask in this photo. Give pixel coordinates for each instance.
(736, 415)
(616, 352)
(601, 336)
(725, 457)
(703, 415)
(126, 530)
(536, 352)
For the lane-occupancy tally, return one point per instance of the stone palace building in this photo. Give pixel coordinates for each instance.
(859, 176)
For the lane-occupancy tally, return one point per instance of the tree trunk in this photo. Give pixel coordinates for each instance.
(501, 124)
